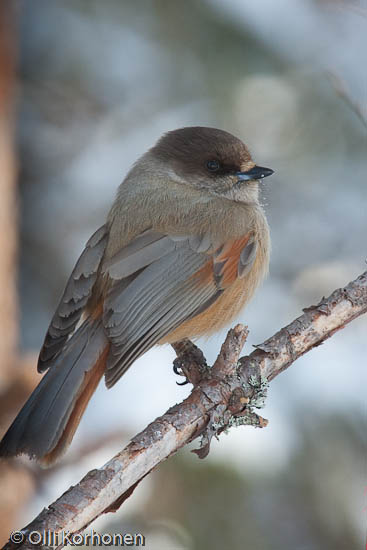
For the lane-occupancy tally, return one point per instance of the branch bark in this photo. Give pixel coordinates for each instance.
(223, 396)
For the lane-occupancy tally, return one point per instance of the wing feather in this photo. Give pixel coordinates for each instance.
(247, 258)
(132, 261)
(163, 294)
(159, 281)
(121, 358)
(76, 295)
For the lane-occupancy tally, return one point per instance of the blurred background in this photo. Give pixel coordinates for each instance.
(85, 88)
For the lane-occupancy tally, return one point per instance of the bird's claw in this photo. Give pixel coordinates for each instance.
(177, 369)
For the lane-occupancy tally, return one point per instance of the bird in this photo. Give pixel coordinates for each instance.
(184, 246)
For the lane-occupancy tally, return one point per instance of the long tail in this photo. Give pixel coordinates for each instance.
(47, 422)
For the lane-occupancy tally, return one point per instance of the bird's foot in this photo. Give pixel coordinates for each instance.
(190, 362)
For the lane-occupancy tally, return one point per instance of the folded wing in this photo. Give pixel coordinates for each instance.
(159, 281)
(74, 299)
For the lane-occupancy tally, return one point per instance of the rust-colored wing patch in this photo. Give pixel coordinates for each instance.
(223, 267)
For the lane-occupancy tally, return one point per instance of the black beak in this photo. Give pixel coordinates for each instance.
(256, 173)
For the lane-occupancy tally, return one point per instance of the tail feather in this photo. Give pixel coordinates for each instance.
(46, 424)
(91, 381)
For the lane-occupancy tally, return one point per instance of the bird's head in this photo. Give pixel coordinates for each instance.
(210, 160)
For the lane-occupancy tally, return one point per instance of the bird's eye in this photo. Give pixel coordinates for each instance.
(213, 165)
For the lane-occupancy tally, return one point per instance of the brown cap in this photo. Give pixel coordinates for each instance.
(203, 150)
